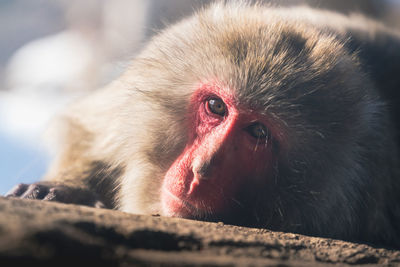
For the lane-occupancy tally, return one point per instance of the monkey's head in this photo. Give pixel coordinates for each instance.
(254, 118)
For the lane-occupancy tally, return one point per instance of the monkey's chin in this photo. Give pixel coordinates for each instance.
(173, 206)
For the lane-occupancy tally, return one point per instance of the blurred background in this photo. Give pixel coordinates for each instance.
(54, 51)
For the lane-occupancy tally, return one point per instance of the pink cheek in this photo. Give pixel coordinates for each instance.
(255, 158)
(205, 123)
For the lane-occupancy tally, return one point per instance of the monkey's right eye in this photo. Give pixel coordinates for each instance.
(258, 130)
(216, 106)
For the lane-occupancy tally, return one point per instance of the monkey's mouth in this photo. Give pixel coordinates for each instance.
(174, 206)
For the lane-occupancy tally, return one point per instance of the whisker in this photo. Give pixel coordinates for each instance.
(237, 202)
(255, 148)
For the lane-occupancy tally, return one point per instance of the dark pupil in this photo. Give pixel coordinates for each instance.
(258, 130)
(216, 106)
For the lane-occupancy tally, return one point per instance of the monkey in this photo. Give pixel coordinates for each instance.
(255, 115)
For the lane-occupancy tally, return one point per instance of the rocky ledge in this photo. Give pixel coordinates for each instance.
(37, 232)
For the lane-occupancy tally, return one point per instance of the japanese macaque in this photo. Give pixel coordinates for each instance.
(261, 116)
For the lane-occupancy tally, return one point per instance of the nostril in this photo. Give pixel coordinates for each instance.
(203, 170)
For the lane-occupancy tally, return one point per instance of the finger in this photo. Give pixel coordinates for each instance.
(17, 190)
(35, 191)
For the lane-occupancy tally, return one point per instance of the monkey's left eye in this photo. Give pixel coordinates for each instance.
(258, 130)
(216, 106)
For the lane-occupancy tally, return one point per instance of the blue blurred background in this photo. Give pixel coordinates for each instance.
(19, 163)
(54, 51)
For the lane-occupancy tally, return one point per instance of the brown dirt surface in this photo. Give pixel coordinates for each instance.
(38, 232)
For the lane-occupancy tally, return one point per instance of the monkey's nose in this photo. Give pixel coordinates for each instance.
(201, 171)
(204, 171)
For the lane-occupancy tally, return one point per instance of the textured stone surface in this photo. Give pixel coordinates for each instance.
(33, 231)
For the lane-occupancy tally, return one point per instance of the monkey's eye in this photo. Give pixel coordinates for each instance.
(258, 130)
(216, 106)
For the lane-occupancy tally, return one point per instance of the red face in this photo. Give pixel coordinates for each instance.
(228, 147)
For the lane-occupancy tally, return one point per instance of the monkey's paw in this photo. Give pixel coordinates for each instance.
(56, 192)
